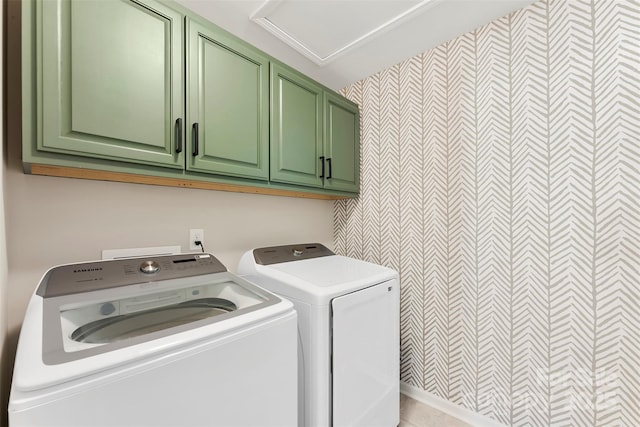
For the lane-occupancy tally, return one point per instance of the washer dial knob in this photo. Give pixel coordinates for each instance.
(149, 267)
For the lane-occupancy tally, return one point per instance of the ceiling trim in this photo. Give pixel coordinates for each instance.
(261, 17)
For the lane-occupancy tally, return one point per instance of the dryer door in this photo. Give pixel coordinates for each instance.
(366, 342)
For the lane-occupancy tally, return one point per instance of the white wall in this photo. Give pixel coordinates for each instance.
(3, 251)
(59, 220)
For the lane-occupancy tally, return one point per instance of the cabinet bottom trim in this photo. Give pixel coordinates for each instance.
(79, 173)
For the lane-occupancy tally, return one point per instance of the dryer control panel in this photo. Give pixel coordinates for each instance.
(287, 253)
(93, 276)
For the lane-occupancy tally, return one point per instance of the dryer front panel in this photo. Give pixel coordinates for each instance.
(366, 357)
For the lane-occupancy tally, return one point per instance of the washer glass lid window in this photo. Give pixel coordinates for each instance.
(122, 326)
(100, 321)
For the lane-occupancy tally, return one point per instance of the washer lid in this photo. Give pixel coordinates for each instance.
(124, 326)
(86, 324)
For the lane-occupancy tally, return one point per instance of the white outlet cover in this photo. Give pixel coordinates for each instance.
(195, 234)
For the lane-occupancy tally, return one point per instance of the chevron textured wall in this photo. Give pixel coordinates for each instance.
(501, 178)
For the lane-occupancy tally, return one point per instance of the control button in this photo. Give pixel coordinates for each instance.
(297, 252)
(107, 308)
(149, 267)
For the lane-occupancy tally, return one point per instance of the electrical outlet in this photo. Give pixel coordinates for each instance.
(195, 234)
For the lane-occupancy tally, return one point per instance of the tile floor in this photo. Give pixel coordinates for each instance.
(417, 414)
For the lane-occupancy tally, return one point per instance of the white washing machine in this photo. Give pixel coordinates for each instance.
(165, 341)
(348, 320)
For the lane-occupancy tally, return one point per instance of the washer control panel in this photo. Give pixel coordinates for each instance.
(92, 276)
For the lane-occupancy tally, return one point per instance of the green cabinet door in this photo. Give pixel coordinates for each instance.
(228, 107)
(296, 128)
(341, 144)
(111, 80)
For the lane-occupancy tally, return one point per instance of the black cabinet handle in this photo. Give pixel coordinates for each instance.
(322, 164)
(178, 135)
(194, 138)
(329, 164)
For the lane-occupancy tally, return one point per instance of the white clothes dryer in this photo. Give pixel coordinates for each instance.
(349, 321)
(164, 341)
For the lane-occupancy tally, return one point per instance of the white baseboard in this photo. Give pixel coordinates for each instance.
(448, 407)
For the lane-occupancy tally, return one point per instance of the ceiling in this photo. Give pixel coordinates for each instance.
(338, 42)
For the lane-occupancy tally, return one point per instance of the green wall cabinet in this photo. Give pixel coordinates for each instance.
(341, 144)
(228, 107)
(315, 134)
(296, 128)
(112, 80)
(147, 91)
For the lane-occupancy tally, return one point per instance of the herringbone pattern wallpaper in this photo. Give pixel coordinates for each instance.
(501, 178)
